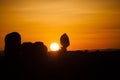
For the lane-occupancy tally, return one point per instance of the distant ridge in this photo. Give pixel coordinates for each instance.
(91, 50)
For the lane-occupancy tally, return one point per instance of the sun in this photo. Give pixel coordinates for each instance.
(54, 46)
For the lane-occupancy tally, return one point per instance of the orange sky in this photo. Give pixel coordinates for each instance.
(90, 24)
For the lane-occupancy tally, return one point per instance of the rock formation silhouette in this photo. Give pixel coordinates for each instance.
(64, 40)
(34, 50)
(34, 63)
(12, 55)
(34, 55)
(41, 48)
(12, 44)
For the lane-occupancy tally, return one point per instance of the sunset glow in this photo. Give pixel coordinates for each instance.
(90, 24)
(54, 46)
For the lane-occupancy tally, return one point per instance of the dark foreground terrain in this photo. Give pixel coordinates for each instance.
(71, 65)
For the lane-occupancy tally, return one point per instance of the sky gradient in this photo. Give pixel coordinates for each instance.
(90, 24)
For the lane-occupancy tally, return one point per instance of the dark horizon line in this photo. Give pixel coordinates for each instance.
(87, 49)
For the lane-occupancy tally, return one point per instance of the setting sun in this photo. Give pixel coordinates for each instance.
(54, 46)
(90, 24)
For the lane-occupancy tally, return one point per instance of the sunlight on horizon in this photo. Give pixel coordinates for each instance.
(54, 46)
(89, 24)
